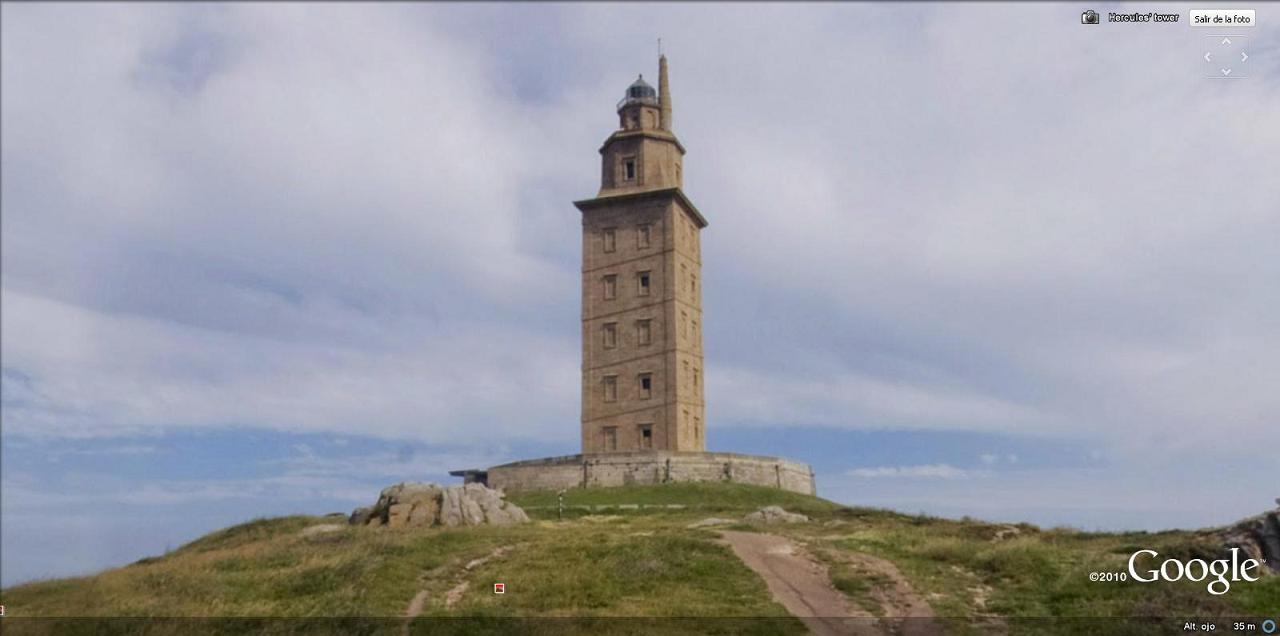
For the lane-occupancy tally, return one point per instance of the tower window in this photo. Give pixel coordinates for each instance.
(610, 335)
(646, 386)
(629, 169)
(642, 283)
(643, 235)
(610, 388)
(646, 436)
(610, 239)
(644, 332)
(693, 283)
(611, 438)
(695, 380)
(610, 287)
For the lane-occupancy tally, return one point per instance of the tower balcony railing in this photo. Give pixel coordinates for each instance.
(652, 101)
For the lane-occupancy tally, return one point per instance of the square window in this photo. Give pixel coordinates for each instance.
(646, 386)
(610, 287)
(610, 388)
(642, 283)
(644, 332)
(610, 239)
(610, 335)
(644, 234)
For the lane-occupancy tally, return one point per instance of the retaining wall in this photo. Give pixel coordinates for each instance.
(655, 467)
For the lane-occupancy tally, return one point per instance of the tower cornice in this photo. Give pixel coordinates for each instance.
(589, 204)
(660, 135)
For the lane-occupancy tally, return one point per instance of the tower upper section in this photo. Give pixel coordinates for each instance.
(642, 154)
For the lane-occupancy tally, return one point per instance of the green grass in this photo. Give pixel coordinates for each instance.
(695, 497)
(641, 562)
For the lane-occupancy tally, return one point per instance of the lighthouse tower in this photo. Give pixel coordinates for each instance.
(642, 384)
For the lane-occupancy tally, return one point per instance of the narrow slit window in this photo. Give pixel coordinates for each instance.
(629, 169)
(646, 386)
(610, 239)
(610, 335)
(644, 332)
(610, 287)
(610, 388)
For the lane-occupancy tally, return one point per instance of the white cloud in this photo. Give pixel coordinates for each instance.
(923, 471)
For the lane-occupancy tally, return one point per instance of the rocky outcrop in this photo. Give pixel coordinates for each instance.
(1258, 538)
(774, 514)
(422, 505)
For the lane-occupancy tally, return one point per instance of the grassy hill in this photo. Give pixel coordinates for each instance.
(619, 552)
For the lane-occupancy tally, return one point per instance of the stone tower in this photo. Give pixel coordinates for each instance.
(642, 385)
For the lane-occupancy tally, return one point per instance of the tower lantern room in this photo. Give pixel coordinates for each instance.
(643, 153)
(639, 108)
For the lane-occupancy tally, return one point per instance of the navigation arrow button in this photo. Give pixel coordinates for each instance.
(1226, 72)
(1244, 57)
(1226, 41)
(1206, 57)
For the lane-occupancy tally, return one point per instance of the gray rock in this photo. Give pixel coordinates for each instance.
(424, 513)
(360, 516)
(774, 514)
(425, 504)
(451, 508)
(321, 529)
(1258, 538)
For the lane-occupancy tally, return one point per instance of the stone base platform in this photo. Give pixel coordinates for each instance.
(645, 467)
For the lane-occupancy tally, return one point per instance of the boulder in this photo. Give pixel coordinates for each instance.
(425, 505)
(451, 508)
(360, 516)
(398, 515)
(1258, 538)
(424, 512)
(322, 528)
(774, 514)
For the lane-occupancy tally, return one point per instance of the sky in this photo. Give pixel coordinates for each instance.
(964, 259)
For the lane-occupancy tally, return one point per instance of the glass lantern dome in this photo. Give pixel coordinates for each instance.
(640, 92)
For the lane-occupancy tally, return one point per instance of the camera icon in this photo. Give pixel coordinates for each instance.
(1089, 17)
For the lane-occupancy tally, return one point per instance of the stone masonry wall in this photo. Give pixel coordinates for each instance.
(620, 469)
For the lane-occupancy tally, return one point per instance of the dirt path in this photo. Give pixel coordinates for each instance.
(896, 598)
(455, 593)
(803, 586)
(800, 584)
